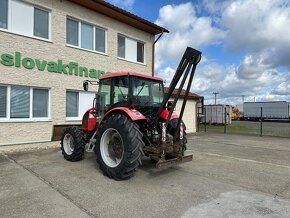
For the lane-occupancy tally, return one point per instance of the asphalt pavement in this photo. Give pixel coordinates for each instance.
(230, 176)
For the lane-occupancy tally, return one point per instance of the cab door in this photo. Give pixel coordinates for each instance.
(105, 97)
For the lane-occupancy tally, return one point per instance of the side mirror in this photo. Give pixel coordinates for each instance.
(86, 85)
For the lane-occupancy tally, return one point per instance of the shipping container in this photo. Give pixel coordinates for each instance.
(270, 110)
(215, 114)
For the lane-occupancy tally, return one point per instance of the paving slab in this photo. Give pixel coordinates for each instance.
(22, 194)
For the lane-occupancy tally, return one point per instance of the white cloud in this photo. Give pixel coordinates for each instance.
(282, 89)
(261, 28)
(256, 25)
(211, 77)
(167, 75)
(252, 66)
(186, 29)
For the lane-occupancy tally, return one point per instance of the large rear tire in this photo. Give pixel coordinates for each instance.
(119, 147)
(73, 144)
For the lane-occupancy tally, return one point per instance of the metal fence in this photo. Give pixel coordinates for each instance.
(259, 126)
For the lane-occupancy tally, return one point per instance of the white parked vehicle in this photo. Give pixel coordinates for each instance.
(270, 110)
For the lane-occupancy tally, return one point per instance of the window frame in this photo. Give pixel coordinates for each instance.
(80, 22)
(31, 118)
(9, 20)
(137, 41)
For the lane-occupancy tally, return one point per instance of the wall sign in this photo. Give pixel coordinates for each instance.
(71, 68)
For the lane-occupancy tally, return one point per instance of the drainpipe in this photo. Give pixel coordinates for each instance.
(153, 52)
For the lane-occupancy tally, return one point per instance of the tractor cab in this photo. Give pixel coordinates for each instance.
(130, 90)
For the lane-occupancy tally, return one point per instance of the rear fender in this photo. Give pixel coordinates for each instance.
(164, 114)
(89, 120)
(131, 113)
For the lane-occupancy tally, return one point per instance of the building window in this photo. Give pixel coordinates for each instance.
(72, 104)
(72, 30)
(41, 23)
(130, 49)
(40, 103)
(85, 36)
(25, 19)
(121, 46)
(77, 103)
(140, 52)
(100, 39)
(3, 101)
(21, 102)
(4, 14)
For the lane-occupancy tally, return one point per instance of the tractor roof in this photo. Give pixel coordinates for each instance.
(116, 74)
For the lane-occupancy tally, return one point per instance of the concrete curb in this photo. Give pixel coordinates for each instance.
(28, 147)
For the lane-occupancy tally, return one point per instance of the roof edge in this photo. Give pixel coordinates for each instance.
(129, 14)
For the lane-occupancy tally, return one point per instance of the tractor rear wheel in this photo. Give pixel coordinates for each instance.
(119, 147)
(73, 144)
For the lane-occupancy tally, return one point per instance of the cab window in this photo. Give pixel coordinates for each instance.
(121, 89)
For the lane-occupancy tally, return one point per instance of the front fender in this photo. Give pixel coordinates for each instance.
(132, 113)
(89, 120)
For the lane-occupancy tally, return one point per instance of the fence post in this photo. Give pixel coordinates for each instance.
(225, 124)
(198, 119)
(261, 123)
(205, 119)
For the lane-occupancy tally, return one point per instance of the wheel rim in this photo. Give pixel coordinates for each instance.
(112, 147)
(68, 144)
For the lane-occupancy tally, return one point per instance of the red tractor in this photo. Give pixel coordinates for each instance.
(131, 118)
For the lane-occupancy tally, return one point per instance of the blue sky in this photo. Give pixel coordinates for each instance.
(245, 45)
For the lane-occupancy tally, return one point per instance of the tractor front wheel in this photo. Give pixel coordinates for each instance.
(73, 144)
(119, 147)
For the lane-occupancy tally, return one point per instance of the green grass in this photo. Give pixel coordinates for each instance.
(232, 129)
(240, 129)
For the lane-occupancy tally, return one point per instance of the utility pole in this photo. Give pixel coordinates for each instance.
(215, 94)
(243, 99)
